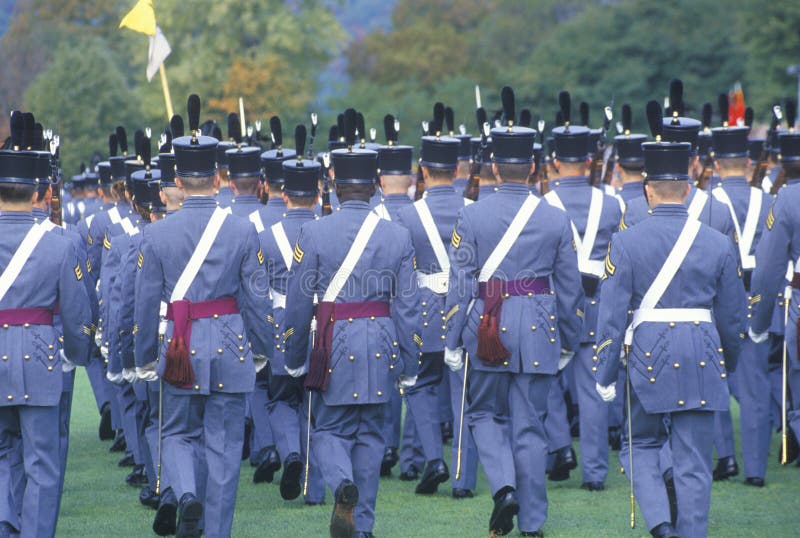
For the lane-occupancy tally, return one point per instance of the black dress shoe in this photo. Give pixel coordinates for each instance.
(672, 497)
(149, 498)
(726, 468)
(537, 534)
(593, 486)
(314, 503)
(346, 498)
(565, 461)
(410, 474)
(165, 524)
(390, 459)
(137, 478)
(127, 460)
(435, 473)
(104, 431)
(459, 493)
(190, 514)
(266, 470)
(615, 438)
(248, 430)
(792, 448)
(447, 432)
(754, 481)
(119, 444)
(506, 507)
(665, 530)
(290, 481)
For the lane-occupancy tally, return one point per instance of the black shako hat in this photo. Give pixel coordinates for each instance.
(300, 175)
(353, 165)
(195, 154)
(628, 144)
(272, 160)
(394, 159)
(664, 161)
(571, 141)
(512, 144)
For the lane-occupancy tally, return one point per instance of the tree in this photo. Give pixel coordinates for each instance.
(81, 107)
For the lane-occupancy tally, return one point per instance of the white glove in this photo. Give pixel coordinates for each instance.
(607, 394)
(757, 338)
(104, 352)
(129, 375)
(66, 365)
(454, 358)
(148, 372)
(261, 361)
(297, 372)
(564, 359)
(405, 382)
(98, 337)
(117, 379)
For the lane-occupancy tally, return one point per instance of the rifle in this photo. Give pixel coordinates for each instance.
(598, 160)
(473, 181)
(420, 187)
(760, 170)
(326, 185)
(541, 164)
(56, 211)
(705, 174)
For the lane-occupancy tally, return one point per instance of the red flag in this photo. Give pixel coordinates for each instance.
(736, 105)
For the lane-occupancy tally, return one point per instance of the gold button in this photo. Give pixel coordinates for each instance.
(197, 387)
(552, 317)
(552, 340)
(676, 365)
(702, 364)
(380, 393)
(241, 359)
(49, 368)
(277, 325)
(530, 294)
(424, 303)
(372, 318)
(697, 323)
(594, 358)
(241, 348)
(672, 324)
(352, 357)
(533, 327)
(722, 363)
(277, 347)
(536, 363)
(27, 357)
(169, 341)
(702, 402)
(652, 380)
(680, 402)
(424, 313)
(391, 367)
(355, 395)
(350, 320)
(50, 346)
(220, 386)
(394, 344)
(552, 329)
(216, 316)
(503, 329)
(444, 327)
(26, 325)
(646, 353)
(5, 357)
(377, 355)
(425, 324)
(594, 347)
(505, 363)
(26, 396)
(330, 370)
(723, 376)
(749, 315)
(277, 336)
(649, 368)
(5, 326)
(591, 333)
(441, 311)
(394, 355)
(443, 337)
(240, 336)
(219, 350)
(594, 368)
(10, 397)
(50, 357)
(719, 350)
(593, 302)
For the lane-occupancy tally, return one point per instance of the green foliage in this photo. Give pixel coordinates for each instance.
(97, 503)
(58, 97)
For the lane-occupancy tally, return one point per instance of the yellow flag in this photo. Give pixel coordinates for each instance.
(141, 18)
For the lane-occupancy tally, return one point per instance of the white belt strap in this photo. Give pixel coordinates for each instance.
(436, 282)
(428, 224)
(662, 281)
(468, 201)
(255, 218)
(47, 224)
(351, 259)
(81, 208)
(128, 226)
(284, 245)
(746, 235)
(382, 212)
(162, 317)
(585, 244)
(114, 216)
(20, 257)
(278, 299)
(89, 220)
(675, 315)
(509, 238)
(697, 205)
(199, 255)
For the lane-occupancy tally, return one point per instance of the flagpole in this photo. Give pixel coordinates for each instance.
(165, 87)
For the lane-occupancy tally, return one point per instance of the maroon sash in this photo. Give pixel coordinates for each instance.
(26, 316)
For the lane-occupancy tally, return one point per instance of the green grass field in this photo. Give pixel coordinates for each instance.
(98, 503)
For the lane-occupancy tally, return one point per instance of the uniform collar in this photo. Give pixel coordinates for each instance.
(245, 199)
(39, 214)
(572, 181)
(633, 186)
(793, 181)
(15, 217)
(355, 205)
(670, 210)
(441, 190)
(106, 206)
(299, 213)
(191, 202)
(732, 180)
(396, 199)
(512, 188)
(170, 212)
(276, 201)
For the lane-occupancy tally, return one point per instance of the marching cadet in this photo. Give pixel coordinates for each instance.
(244, 172)
(225, 193)
(595, 217)
(200, 261)
(33, 352)
(464, 159)
(519, 328)
(630, 162)
(91, 197)
(272, 167)
(362, 346)
(748, 207)
(286, 402)
(431, 222)
(671, 271)
(779, 246)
